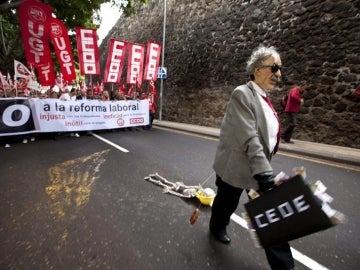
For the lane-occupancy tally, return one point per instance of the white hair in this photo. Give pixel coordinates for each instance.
(258, 56)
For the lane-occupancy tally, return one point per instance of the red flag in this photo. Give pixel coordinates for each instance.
(138, 82)
(153, 53)
(115, 61)
(96, 89)
(131, 91)
(152, 89)
(61, 41)
(135, 64)
(101, 87)
(152, 106)
(152, 86)
(88, 51)
(35, 19)
(22, 84)
(122, 88)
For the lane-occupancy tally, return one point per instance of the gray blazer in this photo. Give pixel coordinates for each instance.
(243, 149)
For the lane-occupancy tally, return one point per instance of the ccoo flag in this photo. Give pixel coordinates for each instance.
(88, 51)
(115, 61)
(152, 61)
(135, 64)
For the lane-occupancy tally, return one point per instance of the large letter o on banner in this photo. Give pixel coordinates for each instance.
(9, 112)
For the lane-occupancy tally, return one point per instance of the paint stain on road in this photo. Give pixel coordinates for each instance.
(71, 183)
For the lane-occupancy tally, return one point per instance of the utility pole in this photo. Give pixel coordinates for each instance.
(162, 62)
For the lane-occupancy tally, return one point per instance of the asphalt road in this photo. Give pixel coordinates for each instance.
(83, 203)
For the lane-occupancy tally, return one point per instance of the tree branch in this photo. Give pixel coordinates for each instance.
(11, 5)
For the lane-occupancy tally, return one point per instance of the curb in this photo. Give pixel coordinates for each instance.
(347, 155)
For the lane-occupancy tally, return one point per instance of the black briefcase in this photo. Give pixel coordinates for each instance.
(287, 212)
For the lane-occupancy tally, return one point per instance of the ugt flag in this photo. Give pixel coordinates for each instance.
(35, 20)
(61, 41)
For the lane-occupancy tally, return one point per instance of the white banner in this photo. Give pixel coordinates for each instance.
(21, 116)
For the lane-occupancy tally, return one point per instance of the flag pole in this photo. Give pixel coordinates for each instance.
(92, 87)
(15, 82)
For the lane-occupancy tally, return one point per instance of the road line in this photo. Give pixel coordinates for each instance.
(305, 260)
(301, 258)
(110, 143)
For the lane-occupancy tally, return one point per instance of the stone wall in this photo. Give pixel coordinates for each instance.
(208, 42)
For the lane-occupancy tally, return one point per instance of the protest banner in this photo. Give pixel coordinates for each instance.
(22, 115)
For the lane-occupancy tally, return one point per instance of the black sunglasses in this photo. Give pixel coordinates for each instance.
(274, 68)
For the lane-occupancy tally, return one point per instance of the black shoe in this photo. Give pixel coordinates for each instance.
(220, 235)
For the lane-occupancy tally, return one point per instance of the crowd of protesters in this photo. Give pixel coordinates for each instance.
(73, 92)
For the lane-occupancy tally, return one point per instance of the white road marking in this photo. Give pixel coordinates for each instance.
(301, 258)
(305, 260)
(110, 143)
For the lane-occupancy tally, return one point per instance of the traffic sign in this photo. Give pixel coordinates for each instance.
(162, 73)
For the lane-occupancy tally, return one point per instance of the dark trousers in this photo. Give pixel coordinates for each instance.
(224, 205)
(151, 118)
(290, 126)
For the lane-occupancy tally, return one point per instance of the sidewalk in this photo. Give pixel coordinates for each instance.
(335, 153)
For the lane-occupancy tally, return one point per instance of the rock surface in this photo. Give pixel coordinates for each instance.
(208, 42)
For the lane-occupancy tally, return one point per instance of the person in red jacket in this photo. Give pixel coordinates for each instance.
(293, 105)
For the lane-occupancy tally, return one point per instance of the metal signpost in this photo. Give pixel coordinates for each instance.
(162, 63)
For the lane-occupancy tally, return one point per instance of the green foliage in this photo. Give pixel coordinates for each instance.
(10, 41)
(130, 8)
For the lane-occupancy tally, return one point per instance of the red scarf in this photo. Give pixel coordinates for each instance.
(267, 100)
